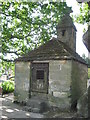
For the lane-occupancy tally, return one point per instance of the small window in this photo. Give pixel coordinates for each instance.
(40, 74)
(63, 32)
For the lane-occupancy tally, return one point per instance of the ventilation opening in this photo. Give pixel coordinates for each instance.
(40, 74)
(63, 32)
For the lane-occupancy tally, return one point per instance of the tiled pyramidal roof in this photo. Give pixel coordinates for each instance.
(59, 48)
(52, 50)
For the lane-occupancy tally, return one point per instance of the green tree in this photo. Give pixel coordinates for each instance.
(84, 15)
(86, 59)
(25, 26)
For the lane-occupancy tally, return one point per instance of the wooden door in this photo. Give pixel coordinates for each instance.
(39, 77)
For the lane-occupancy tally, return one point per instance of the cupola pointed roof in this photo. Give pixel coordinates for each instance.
(66, 21)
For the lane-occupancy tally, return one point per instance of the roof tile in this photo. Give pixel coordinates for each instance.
(53, 49)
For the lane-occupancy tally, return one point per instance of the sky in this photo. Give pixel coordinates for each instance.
(80, 47)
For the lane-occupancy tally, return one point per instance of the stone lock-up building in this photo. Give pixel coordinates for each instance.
(52, 73)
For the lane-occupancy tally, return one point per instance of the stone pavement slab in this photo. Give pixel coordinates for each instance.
(8, 109)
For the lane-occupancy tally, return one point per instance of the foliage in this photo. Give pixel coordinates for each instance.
(89, 73)
(88, 62)
(6, 67)
(8, 87)
(84, 15)
(25, 26)
(86, 59)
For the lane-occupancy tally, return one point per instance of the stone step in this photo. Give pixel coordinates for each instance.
(35, 110)
(33, 104)
(29, 109)
(37, 105)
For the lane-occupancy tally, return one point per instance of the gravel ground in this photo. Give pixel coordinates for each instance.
(9, 109)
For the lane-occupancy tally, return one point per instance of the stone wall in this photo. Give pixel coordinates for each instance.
(67, 83)
(59, 83)
(89, 102)
(66, 31)
(79, 81)
(69, 38)
(22, 81)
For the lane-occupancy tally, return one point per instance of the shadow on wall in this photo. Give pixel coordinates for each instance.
(89, 101)
(83, 105)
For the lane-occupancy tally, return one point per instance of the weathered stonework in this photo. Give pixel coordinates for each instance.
(67, 83)
(79, 81)
(66, 32)
(22, 81)
(89, 102)
(79, 78)
(59, 83)
(53, 75)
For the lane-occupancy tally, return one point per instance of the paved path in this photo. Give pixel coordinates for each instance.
(8, 109)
